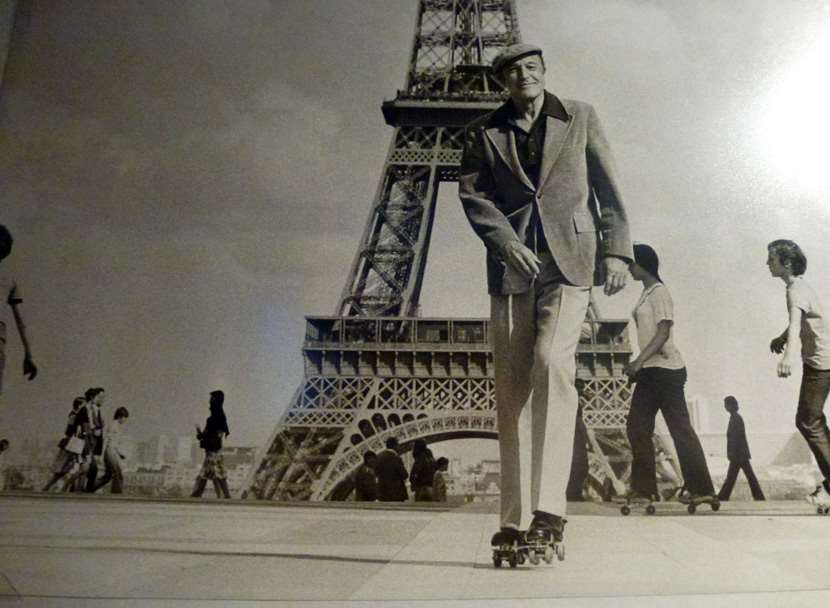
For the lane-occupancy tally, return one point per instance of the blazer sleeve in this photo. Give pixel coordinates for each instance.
(478, 192)
(616, 240)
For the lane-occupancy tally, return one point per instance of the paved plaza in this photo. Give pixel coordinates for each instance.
(101, 551)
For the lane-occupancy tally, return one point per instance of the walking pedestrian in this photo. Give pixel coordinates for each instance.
(113, 453)
(366, 482)
(391, 473)
(439, 481)
(737, 452)
(807, 321)
(660, 374)
(11, 294)
(210, 440)
(70, 447)
(422, 472)
(95, 434)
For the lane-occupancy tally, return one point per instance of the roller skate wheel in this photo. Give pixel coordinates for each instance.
(548, 555)
(625, 510)
(513, 561)
(497, 561)
(715, 506)
(521, 558)
(534, 558)
(560, 552)
(650, 510)
(691, 509)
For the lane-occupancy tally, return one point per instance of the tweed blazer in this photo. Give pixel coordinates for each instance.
(577, 198)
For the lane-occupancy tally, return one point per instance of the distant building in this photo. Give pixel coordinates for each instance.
(699, 414)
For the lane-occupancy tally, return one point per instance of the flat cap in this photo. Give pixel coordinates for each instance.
(512, 53)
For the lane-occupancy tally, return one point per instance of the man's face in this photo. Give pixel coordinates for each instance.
(525, 78)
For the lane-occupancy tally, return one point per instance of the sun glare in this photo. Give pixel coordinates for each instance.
(795, 127)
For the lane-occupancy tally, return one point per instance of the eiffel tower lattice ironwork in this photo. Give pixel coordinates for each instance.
(376, 369)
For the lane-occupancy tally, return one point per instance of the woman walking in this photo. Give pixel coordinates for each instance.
(660, 375)
(210, 439)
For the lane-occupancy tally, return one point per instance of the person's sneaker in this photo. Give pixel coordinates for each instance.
(546, 525)
(507, 536)
(819, 496)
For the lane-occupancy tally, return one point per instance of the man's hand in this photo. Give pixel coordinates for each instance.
(522, 259)
(29, 368)
(785, 367)
(616, 273)
(777, 344)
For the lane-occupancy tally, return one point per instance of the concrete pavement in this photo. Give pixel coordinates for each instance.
(90, 551)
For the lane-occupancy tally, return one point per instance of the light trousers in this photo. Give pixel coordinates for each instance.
(534, 336)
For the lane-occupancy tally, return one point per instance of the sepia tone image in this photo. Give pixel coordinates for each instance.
(428, 302)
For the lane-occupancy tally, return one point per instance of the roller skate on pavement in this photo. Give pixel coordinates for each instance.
(509, 546)
(545, 537)
(693, 500)
(820, 498)
(636, 499)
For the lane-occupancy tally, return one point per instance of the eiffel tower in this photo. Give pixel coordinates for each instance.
(376, 369)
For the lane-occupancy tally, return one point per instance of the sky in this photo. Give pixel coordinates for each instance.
(187, 180)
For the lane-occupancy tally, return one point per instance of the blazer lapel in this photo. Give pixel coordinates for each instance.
(555, 133)
(504, 141)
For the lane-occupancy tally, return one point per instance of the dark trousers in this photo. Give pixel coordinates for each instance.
(810, 419)
(91, 475)
(660, 389)
(732, 476)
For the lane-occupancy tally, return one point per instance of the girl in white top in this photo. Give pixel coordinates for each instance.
(787, 262)
(660, 374)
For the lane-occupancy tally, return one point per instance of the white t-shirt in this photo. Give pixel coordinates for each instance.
(815, 336)
(655, 305)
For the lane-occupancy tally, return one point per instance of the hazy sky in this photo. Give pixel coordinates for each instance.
(186, 180)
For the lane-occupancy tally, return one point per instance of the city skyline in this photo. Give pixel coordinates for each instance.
(175, 220)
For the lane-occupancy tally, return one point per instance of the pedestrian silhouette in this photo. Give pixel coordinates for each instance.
(737, 451)
(391, 473)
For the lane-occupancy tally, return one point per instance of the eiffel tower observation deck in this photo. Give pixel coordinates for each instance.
(376, 369)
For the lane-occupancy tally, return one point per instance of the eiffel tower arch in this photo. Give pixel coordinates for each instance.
(376, 369)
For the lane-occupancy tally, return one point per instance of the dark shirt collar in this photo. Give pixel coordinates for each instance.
(552, 107)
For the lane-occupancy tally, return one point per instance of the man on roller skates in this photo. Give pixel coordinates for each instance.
(538, 187)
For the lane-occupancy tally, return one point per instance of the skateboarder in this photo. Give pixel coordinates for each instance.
(660, 374)
(787, 262)
(737, 451)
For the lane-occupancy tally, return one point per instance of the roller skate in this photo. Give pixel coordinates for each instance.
(635, 499)
(508, 545)
(693, 500)
(820, 499)
(545, 538)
